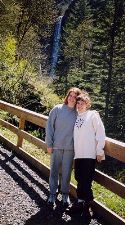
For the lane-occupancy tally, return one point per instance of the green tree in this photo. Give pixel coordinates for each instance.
(15, 75)
(31, 23)
(93, 58)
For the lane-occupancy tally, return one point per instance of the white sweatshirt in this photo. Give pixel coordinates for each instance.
(89, 135)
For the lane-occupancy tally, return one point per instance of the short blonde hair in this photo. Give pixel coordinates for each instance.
(85, 98)
(77, 91)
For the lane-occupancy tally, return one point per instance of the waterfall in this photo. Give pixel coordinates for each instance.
(56, 45)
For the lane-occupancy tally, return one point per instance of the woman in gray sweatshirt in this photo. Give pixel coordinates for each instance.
(59, 140)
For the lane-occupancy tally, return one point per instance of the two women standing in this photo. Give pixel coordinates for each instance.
(74, 131)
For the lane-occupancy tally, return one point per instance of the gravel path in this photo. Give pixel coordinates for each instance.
(23, 196)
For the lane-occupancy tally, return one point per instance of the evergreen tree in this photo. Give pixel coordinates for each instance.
(93, 49)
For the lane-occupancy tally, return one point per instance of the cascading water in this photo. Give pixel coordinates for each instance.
(56, 45)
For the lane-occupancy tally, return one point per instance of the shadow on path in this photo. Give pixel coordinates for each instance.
(36, 188)
(20, 179)
(59, 216)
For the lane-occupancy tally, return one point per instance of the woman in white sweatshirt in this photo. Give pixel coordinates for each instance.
(89, 141)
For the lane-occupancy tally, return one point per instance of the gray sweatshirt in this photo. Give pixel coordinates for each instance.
(59, 129)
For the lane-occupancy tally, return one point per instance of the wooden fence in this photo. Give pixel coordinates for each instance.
(113, 148)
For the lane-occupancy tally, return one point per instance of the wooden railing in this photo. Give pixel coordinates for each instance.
(113, 148)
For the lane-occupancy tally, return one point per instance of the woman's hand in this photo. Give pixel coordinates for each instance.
(100, 158)
(50, 150)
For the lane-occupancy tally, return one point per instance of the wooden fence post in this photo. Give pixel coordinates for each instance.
(21, 127)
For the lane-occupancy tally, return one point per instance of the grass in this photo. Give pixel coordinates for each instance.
(106, 197)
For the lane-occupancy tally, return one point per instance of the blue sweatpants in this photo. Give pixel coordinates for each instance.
(60, 159)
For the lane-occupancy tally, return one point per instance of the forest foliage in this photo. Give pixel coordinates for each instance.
(92, 56)
(23, 25)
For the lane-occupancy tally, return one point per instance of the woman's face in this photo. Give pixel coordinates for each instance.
(72, 99)
(81, 106)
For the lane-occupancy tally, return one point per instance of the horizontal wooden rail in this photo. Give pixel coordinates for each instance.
(110, 183)
(113, 148)
(9, 126)
(106, 181)
(28, 115)
(33, 140)
(24, 134)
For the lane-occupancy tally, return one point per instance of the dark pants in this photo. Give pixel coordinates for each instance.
(84, 175)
